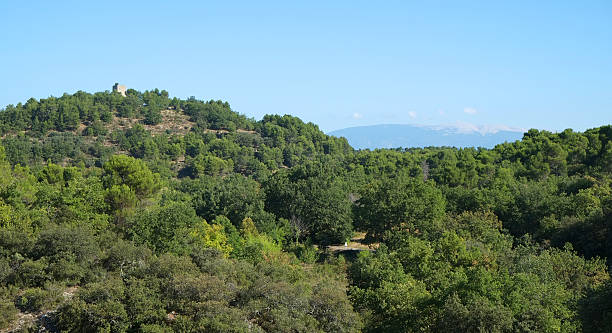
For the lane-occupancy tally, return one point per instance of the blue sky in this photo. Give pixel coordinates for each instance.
(521, 64)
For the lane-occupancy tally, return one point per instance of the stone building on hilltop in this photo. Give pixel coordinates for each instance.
(120, 89)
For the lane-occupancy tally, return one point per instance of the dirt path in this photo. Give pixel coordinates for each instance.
(356, 244)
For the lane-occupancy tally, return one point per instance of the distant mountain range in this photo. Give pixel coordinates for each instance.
(407, 136)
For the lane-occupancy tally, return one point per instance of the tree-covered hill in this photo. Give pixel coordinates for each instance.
(150, 214)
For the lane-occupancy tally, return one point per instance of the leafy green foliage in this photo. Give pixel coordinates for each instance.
(317, 205)
(124, 170)
(401, 203)
(210, 236)
(145, 213)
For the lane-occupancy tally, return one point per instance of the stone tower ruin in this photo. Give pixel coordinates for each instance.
(120, 89)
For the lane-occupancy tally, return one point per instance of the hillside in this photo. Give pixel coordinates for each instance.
(89, 128)
(407, 136)
(156, 214)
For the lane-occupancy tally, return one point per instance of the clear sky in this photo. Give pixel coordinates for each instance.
(525, 64)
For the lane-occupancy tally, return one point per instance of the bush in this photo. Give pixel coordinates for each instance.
(106, 316)
(8, 312)
(306, 253)
(32, 273)
(126, 257)
(5, 270)
(37, 299)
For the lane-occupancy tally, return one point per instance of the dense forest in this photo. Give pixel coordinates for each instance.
(147, 213)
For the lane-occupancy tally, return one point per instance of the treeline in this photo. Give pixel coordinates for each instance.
(108, 225)
(69, 111)
(80, 128)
